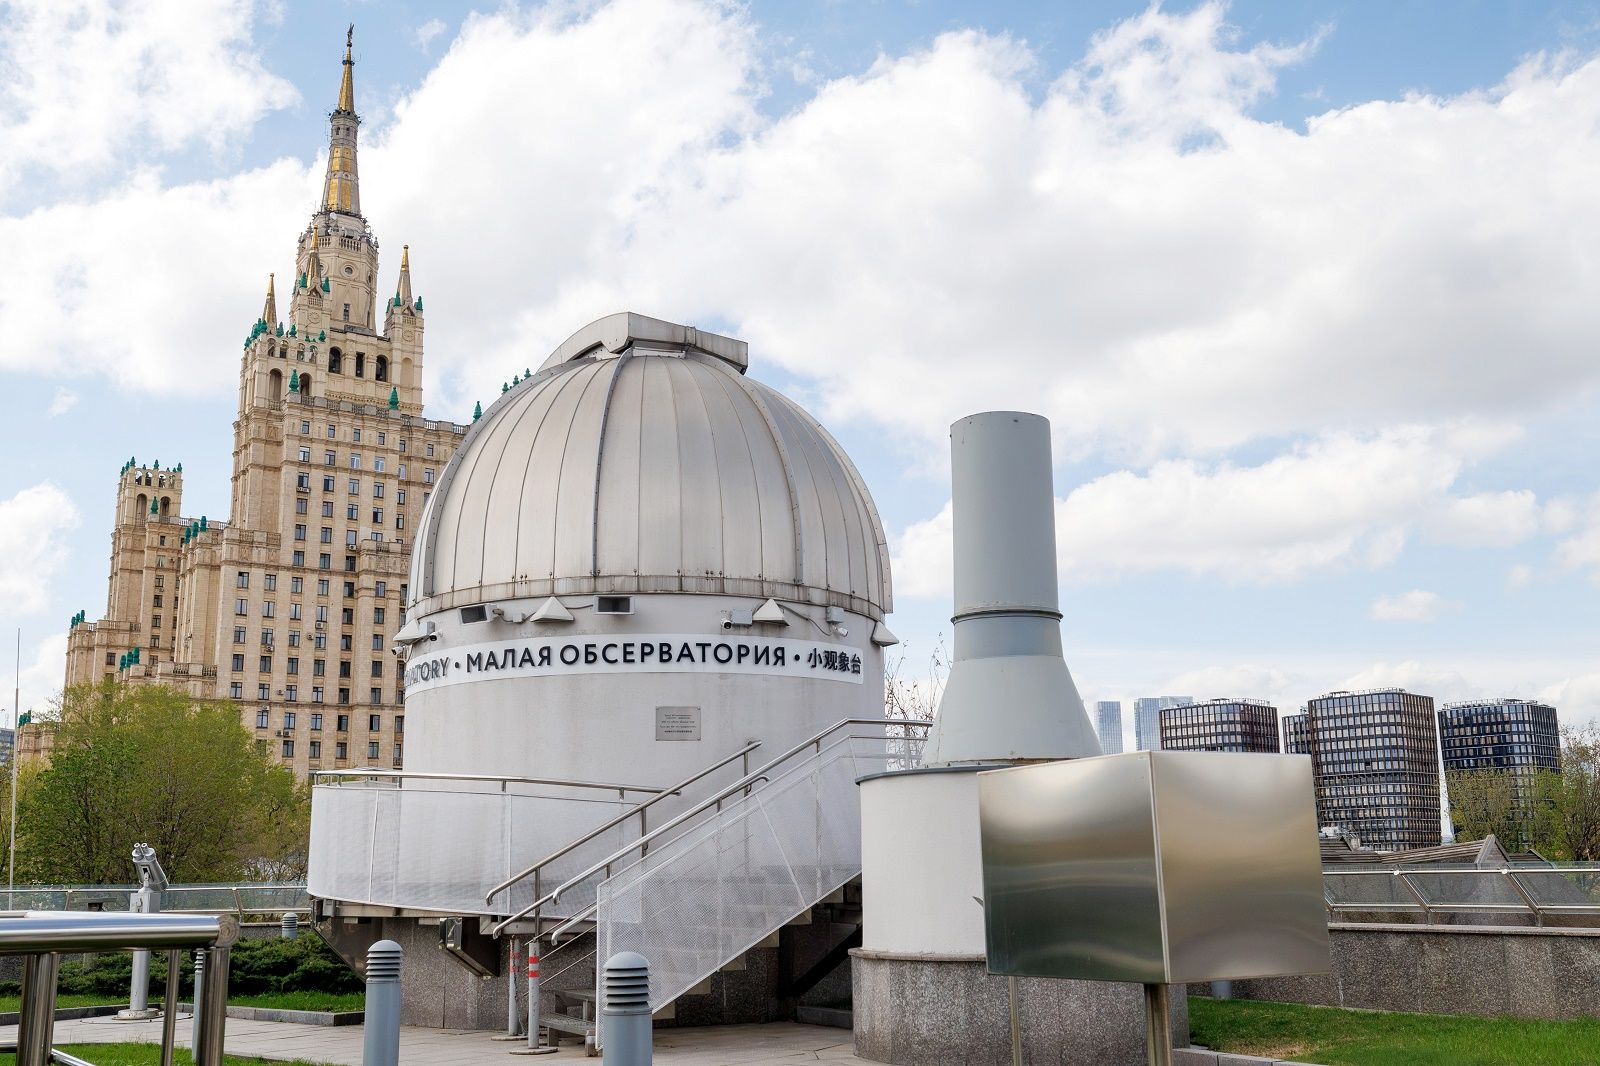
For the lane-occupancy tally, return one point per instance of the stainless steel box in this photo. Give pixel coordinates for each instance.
(1154, 867)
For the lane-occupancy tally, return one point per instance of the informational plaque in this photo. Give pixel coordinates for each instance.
(677, 723)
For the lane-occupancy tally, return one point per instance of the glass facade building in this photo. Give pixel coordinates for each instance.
(1375, 757)
(1508, 736)
(1296, 734)
(1108, 725)
(1147, 719)
(1220, 725)
(1505, 734)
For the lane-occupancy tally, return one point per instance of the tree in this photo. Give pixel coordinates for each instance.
(1568, 803)
(1484, 802)
(151, 763)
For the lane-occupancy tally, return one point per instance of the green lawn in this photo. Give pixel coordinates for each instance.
(333, 1001)
(330, 1001)
(146, 1055)
(1373, 1038)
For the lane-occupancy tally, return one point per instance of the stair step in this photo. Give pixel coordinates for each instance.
(834, 1017)
(566, 1023)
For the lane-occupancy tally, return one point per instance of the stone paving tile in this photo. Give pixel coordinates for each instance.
(782, 1043)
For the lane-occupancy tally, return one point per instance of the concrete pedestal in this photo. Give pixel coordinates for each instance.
(922, 993)
(917, 1010)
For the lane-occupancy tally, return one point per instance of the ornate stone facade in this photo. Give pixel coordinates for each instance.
(287, 608)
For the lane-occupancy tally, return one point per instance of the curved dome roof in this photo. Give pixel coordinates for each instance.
(639, 458)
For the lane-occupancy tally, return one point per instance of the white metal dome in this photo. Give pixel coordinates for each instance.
(638, 459)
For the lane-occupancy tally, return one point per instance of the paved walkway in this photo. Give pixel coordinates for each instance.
(722, 1045)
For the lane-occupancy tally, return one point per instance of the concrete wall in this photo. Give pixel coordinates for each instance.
(918, 1010)
(1476, 970)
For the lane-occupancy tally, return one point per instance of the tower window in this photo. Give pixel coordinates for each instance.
(336, 359)
(347, 312)
(361, 357)
(383, 368)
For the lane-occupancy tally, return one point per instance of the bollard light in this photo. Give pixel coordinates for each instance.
(625, 1023)
(380, 1044)
(289, 926)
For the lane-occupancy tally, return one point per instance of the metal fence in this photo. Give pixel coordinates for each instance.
(240, 900)
(1559, 893)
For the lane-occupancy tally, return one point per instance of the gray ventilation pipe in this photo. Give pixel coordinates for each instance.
(1009, 696)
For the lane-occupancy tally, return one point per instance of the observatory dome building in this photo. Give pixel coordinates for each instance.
(645, 621)
(636, 526)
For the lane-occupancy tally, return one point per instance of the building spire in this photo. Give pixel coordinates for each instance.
(347, 87)
(403, 292)
(341, 190)
(269, 312)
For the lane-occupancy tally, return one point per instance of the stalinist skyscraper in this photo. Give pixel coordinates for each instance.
(287, 607)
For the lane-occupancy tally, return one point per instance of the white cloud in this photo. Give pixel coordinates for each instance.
(1163, 273)
(1418, 605)
(1519, 576)
(1338, 502)
(1576, 698)
(1246, 680)
(84, 82)
(31, 550)
(41, 679)
(1486, 519)
(1444, 684)
(63, 401)
(83, 288)
(425, 33)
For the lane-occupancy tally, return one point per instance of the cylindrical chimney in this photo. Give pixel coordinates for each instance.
(1009, 696)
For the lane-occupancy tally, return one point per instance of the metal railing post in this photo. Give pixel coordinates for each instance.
(213, 1006)
(36, 1026)
(625, 1011)
(194, 1009)
(380, 1040)
(1527, 897)
(534, 1006)
(169, 1014)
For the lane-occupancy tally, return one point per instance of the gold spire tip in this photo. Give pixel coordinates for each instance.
(405, 257)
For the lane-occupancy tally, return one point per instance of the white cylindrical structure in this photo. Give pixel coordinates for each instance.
(1009, 695)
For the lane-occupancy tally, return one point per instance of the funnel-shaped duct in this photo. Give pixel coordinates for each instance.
(1009, 695)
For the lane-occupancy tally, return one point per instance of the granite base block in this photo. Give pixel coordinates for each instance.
(915, 1010)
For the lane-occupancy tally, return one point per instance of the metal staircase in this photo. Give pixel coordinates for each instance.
(724, 876)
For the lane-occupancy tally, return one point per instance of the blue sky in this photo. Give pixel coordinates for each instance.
(1306, 289)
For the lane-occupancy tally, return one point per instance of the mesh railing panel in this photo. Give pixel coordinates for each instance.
(701, 899)
(440, 849)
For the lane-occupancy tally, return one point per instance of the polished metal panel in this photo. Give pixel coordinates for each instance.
(1070, 879)
(1241, 871)
(651, 467)
(1153, 867)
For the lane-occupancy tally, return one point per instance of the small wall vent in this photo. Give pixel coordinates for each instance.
(478, 613)
(613, 605)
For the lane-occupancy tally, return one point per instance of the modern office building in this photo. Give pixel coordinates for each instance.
(288, 608)
(1375, 757)
(1296, 735)
(1147, 719)
(8, 745)
(1108, 724)
(1220, 725)
(1503, 734)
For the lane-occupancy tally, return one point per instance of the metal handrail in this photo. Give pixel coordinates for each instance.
(425, 775)
(638, 809)
(743, 784)
(42, 938)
